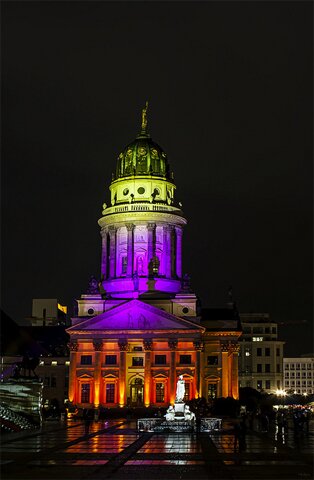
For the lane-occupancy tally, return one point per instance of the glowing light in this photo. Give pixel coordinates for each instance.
(281, 392)
(63, 308)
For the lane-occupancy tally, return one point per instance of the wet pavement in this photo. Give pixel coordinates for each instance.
(114, 449)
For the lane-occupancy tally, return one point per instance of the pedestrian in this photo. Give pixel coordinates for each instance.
(236, 433)
(87, 420)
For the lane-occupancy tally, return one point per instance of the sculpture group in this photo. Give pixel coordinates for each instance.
(179, 411)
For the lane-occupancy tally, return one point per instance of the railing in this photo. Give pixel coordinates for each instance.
(161, 425)
(140, 207)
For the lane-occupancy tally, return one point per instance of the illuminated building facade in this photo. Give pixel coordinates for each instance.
(139, 329)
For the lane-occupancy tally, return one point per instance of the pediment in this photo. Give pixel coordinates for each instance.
(134, 315)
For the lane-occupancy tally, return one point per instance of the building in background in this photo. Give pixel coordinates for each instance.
(299, 374)
(261, 353)
(47, 312)
(139, 329)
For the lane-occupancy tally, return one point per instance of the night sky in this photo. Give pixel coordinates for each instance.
(229, 87)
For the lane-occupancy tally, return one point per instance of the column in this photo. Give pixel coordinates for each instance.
(73, 346)
(148, 346)
(235, 371)
(151, 247)
(97, 371)
(112, 252)
(169, 229)
(230, 356)
(172, 377)
(224, 365)
(123, 346)
(198, 347)
(130, 249)
(104, 254)
(179, 252)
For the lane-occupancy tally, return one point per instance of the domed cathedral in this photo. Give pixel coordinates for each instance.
(142, 230)
(138, 328)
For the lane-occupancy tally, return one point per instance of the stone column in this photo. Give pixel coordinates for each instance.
(169, 229)
(123, 346)
(199, 348)
(130, 249)
(172, 377)
(225, 368)
(112, 253)
(179, 252)
(73, 346)
(148, 346)
(104, 254)
(235, 371)
(151, 247)
(230, 357)
(97, 372)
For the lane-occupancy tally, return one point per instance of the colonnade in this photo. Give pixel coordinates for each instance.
(171, 250)
(171, 372)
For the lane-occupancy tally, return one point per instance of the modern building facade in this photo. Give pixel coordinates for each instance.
(299, 374)
(138, 329)
(261, 353)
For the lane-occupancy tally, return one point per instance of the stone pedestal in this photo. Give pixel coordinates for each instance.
(179, 411)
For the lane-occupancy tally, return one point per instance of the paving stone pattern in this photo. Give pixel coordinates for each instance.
(114, 449)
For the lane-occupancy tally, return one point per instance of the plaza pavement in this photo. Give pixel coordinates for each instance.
(114, 449)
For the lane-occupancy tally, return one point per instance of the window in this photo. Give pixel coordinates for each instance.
(212, 360)
(110, 388)
(212, 391)
(85, 393)
(278, 368)
(160, 359)
(278, 352)
(286, 366)
(267, 352)
(124, 265)
(292, 366)
(278, 384)
(259, 368)
(267, 367)
(274, 330)
(185, 359)
(267, 329)
(160, 393)
(267, 384)
(47, 382)
(257, 330)
(246, 330)
(259, 384)
(137, 361)
(303, 366)
(53, 381)
(138, 348)
(111, 360)
(86, 359)
(54, 363)
(259, 352)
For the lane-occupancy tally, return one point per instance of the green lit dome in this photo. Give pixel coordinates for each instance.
(142, 157)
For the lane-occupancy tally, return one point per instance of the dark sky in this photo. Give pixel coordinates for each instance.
(230, 93)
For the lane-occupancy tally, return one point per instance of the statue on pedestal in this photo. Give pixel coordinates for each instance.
(180, 389)
(170, 414)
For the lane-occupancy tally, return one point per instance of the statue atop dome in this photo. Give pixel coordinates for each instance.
(144, 118)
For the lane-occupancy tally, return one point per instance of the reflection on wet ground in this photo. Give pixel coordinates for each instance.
(114, 449)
